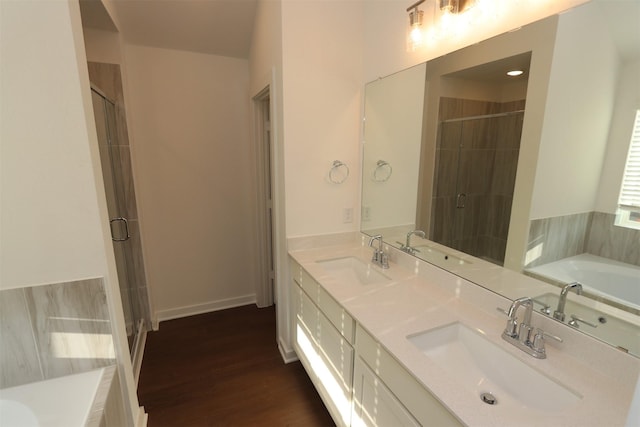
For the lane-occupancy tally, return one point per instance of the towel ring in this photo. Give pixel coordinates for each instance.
(339, 172)
(382, 172)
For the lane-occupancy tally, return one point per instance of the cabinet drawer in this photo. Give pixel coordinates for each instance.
(373, 403)
(306, 282)
(296, 271)
(307, 312)
(337, 352)
(338, 316)
(326, 356)
(309, 285)
(414, 396)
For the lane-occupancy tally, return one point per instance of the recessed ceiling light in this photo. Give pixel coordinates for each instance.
(514, 73)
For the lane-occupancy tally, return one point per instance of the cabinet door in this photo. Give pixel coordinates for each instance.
(326, 356)
(422, 405)
(374, 404)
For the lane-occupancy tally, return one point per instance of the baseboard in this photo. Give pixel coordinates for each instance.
(192, 310)
(143, 417)
(288, 354)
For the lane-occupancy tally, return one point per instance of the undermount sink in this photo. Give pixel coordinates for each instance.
(486, 369)
(353, 269)
(433, 255)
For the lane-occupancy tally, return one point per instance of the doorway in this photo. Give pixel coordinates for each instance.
(265, 292)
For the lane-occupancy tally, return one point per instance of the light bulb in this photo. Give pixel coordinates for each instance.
(416, 35)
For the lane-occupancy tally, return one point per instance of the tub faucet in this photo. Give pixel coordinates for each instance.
(379, 257)
(559, 313)
(406, 247)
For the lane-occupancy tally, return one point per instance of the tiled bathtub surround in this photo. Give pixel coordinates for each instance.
(610, 241)
(53, 330)
(551, 239)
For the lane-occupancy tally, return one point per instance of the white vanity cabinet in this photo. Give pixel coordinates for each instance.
(400, 400)
(331, 344)
(324, 335)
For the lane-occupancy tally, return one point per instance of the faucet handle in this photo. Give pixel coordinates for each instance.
(575, 319)
(384, 260)
(538, 340)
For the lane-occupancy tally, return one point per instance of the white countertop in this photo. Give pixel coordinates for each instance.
(421, 296)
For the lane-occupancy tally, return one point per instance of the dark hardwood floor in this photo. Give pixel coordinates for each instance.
(224, 369)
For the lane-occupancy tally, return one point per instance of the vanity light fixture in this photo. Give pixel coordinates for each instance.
(450, 6)
(416, 34)
(515, 73)
(416, 18)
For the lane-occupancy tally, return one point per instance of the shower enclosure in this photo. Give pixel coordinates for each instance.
(121, 203)
(476, 162)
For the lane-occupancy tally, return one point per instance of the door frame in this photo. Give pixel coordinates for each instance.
(264, 180)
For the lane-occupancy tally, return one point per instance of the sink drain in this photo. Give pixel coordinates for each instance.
(489, 399)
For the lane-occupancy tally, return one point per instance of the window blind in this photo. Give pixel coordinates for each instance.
(630, 191)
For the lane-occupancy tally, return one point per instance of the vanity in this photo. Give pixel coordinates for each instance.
(472, 181)
(416, 345)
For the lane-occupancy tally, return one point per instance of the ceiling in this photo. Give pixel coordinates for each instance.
(496, 71)
(224, 27)
(217, 27)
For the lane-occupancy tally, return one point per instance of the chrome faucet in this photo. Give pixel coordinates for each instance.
(406, 247)
(521, 335)
(379, 257)
(559, 313)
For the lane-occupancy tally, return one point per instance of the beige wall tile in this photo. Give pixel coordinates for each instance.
(71, 324)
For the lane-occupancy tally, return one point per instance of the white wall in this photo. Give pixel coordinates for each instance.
(191, 131)
(50, 219)
(577, 115)
(102, 46)
(54, 222)
(322, 74)
(393, 133)
(627, 102)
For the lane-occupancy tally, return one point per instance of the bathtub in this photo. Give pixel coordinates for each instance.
(612, 280)
(59, 402)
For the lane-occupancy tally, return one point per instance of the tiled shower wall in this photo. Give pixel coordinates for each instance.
(551, 239)
(478, 157)
(54, 330)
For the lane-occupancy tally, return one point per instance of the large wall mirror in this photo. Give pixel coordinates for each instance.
(474, 170)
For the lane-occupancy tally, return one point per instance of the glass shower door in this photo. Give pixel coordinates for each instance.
(476, 163)
(118, 182)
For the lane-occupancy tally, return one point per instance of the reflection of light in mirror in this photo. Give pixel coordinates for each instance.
(78, 345)
(325, 376)
(533, 254)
